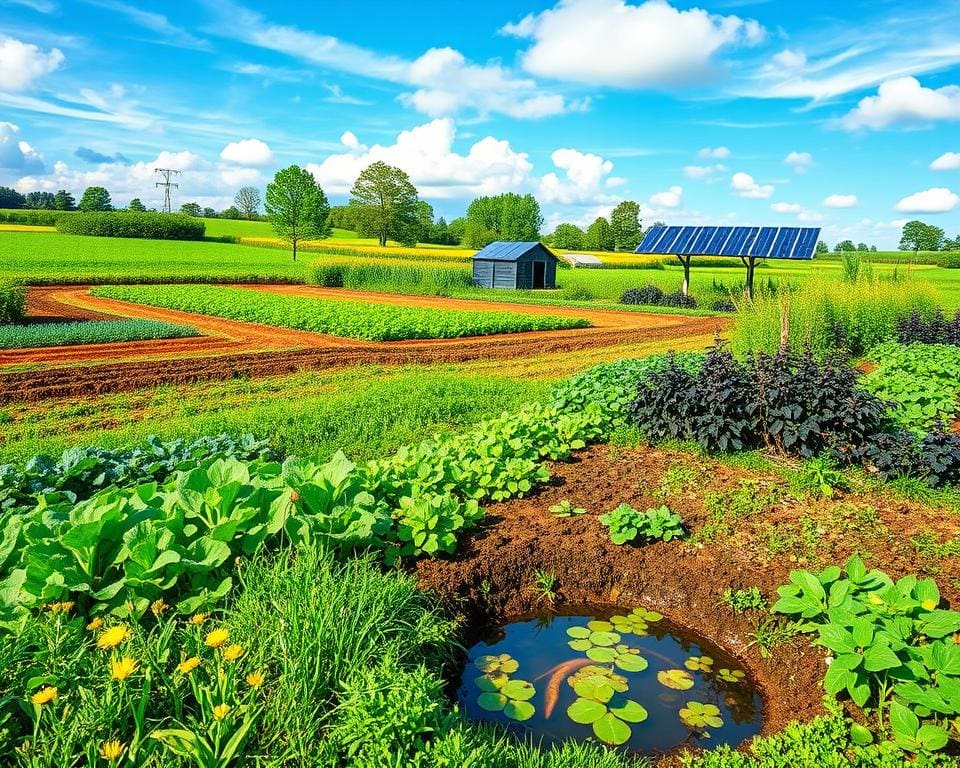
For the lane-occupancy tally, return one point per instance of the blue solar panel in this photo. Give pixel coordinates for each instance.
(755, 242)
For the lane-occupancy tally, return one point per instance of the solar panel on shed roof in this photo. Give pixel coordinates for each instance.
(753, 242)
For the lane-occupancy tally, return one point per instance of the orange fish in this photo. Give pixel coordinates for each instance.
(557, 676)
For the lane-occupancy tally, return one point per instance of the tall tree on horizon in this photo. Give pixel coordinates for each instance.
(248, 201)
(297, 207)
(386, 204)
(625, 223)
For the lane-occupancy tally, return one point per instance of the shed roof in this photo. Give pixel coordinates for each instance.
(582, 260)
(508, 251)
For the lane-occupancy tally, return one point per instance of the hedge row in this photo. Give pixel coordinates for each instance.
(152, 226)
(13, 302)
(34, 218)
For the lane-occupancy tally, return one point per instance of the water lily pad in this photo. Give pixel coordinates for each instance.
(601, 655)
(698, 715)
(611, 730)
(604, 638)
(518, 690)
(678, 679)
(586, 711)
(629, 662)
(642, 614)
(492, 702)
(578, 632)
(628, 710)
(699, 663)
(580, 645)
(731, 675)
(519, 710)
(504, 663)
(600, 626)
(592, 673)
(491, 683)
(595, 688)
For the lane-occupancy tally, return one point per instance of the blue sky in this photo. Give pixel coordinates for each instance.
(840, 115)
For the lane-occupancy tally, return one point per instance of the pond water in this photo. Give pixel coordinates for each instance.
(625, 678)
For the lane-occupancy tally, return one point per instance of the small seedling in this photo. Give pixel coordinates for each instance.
(566, 509)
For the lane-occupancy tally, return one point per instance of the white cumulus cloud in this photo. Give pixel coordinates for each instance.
(799, 161)
(247, 152)
(704, 172)
(23, 63)
(584, 177)
(715, 153)
(934, 200)
(744, 185)
(426, 153)
(16, 155)
(903, 101)
(948, 161)
(614, 43)
(786, 207)
(840, 201)
(672, 198)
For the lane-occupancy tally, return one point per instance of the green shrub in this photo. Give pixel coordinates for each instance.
(90, 332)
(627, 524)
(13, 302)
(827, 315)
(152, 226)
(33, 218)
(949, 260)
(391, 276)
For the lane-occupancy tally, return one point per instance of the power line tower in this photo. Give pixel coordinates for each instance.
(167, 174)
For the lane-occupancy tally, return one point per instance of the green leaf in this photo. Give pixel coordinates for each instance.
(880, 657)
(631, 662)
(492, 702)
(519, 690)
(903, 722)
(611, 730)
(628, 710)
(860, 735)
(519, 710)
(586, 711)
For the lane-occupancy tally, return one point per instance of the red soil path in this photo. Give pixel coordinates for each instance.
(230, 348)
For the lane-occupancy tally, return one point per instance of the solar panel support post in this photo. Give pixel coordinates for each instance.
(750, 262)
(685, 261)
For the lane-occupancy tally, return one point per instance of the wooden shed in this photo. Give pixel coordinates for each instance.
(515, 265)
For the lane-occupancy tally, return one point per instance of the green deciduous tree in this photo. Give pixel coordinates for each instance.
(386, 204)
(40, 201)
(192, 209)
(297, 207)
(625, 223)
(248, 201)
(136, 205)
(510, 217)
(918, 236)
(10, 198)
(232, 213)
(844, 246)
(568, 237)
(822, 247)
(95, 199)
(599, 235)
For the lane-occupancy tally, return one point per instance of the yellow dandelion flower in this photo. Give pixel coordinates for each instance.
(233, 652)
(198, 618)
(221, 711)
(112, 637)
(188, 665)
(158, 607)
(121, 669)
(44, 696)
(95, 623)
(217, 638)
(112, 750)
(255, 679)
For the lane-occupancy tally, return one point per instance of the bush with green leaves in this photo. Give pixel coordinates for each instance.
(627, 524)
(144, 224)
(390, 274)
(13, 302)
(891, 645)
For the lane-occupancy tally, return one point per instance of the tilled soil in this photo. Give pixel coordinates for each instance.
(230, 348)
(769, 533)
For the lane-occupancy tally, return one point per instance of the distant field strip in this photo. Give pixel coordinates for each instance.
(89, 332)
(344, 318)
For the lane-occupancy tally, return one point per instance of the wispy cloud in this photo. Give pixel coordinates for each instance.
(40, 6)
(169, 33)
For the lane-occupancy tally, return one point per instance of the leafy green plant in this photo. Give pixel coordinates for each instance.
(544, 583)
(636, 622)
(149, 225)
(13, 302)
(566, 508)
(891, 644)
(743, 600)
(820, 477)
(349, 319)
(627, 524)
(677, 679)
(699, 716)
(89, 332)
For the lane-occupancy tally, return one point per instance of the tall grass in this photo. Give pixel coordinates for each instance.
(90, 332)
(827, 315)
(398, 276)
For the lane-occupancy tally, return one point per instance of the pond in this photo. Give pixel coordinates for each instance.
(624, 678)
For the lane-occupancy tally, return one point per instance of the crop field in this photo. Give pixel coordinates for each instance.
(516, 529)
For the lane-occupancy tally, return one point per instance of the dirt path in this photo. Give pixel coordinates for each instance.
(230, 348)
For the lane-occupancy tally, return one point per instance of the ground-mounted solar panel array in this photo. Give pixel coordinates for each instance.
(745, 242)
